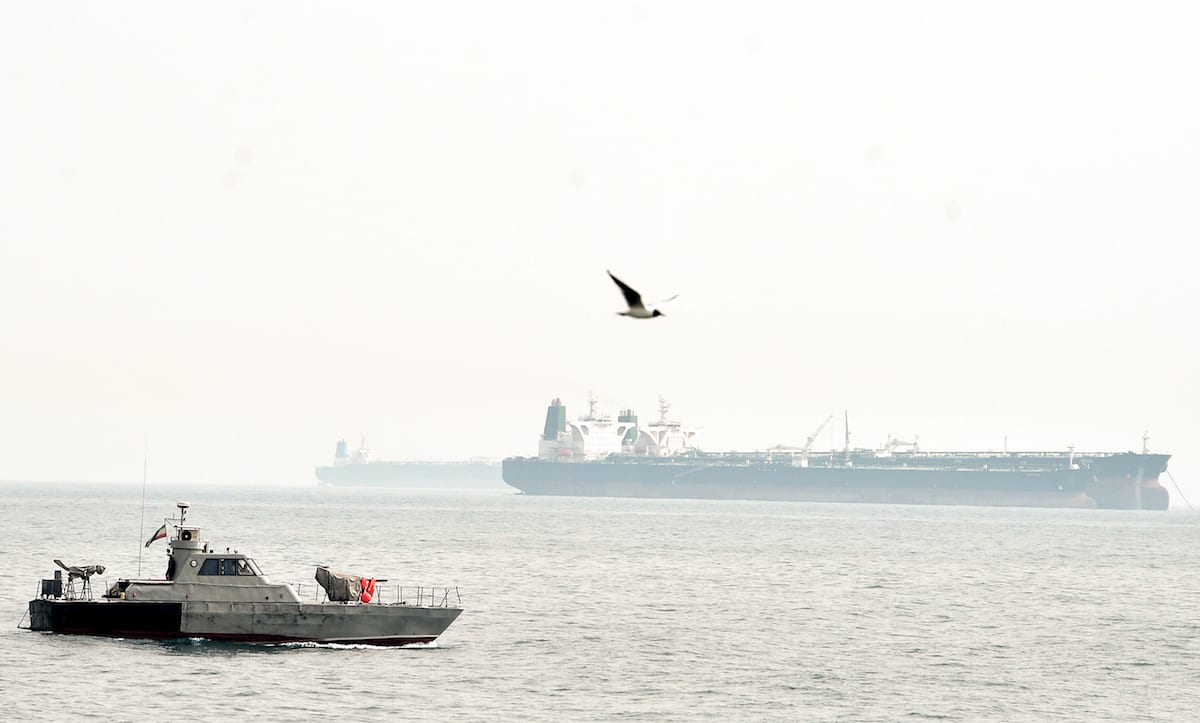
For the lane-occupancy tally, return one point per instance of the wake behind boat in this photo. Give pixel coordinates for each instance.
(225, 596)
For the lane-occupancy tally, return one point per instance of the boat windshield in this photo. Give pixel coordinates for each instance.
(234, 566)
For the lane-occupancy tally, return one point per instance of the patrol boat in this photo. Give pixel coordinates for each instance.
(225, 596)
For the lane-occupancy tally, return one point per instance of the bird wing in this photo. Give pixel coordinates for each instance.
(670, 298)
(632, 297)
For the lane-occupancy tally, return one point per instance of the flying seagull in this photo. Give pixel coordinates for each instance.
(637, 309)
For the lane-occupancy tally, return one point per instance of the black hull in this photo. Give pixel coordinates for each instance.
(162, 621)
(1118, 481)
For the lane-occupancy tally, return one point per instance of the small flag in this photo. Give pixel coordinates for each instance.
(159, 534)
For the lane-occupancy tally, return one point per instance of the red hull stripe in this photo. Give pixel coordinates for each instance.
(254, 639)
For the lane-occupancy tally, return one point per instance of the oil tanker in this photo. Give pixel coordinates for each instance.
(598, 455)
(360, 468)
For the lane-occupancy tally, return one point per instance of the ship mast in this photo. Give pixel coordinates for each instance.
(847, 449)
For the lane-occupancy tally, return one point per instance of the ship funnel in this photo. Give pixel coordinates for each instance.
(556, 421)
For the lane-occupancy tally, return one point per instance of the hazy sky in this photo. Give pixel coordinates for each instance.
(241, 232)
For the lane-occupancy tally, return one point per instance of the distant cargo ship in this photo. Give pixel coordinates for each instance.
(360, 468)
(599, 456)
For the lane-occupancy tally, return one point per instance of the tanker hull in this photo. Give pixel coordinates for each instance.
(1122, 481)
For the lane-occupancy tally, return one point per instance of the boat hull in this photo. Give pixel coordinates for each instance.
(260, 622)
(1121, 481)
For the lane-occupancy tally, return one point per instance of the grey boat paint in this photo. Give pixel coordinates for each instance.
(225, 596)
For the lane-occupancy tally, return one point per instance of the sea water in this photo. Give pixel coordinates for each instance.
(610, 609)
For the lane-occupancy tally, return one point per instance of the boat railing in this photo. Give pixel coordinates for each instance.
(411, 595)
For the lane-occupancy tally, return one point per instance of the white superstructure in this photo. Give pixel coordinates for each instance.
(596, 435)
(343, 456)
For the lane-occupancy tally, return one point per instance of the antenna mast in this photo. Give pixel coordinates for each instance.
(142, 523)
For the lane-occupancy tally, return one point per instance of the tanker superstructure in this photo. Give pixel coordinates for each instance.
(598, 456)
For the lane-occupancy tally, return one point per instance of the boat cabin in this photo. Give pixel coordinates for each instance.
(186, 562)
(196, 572)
